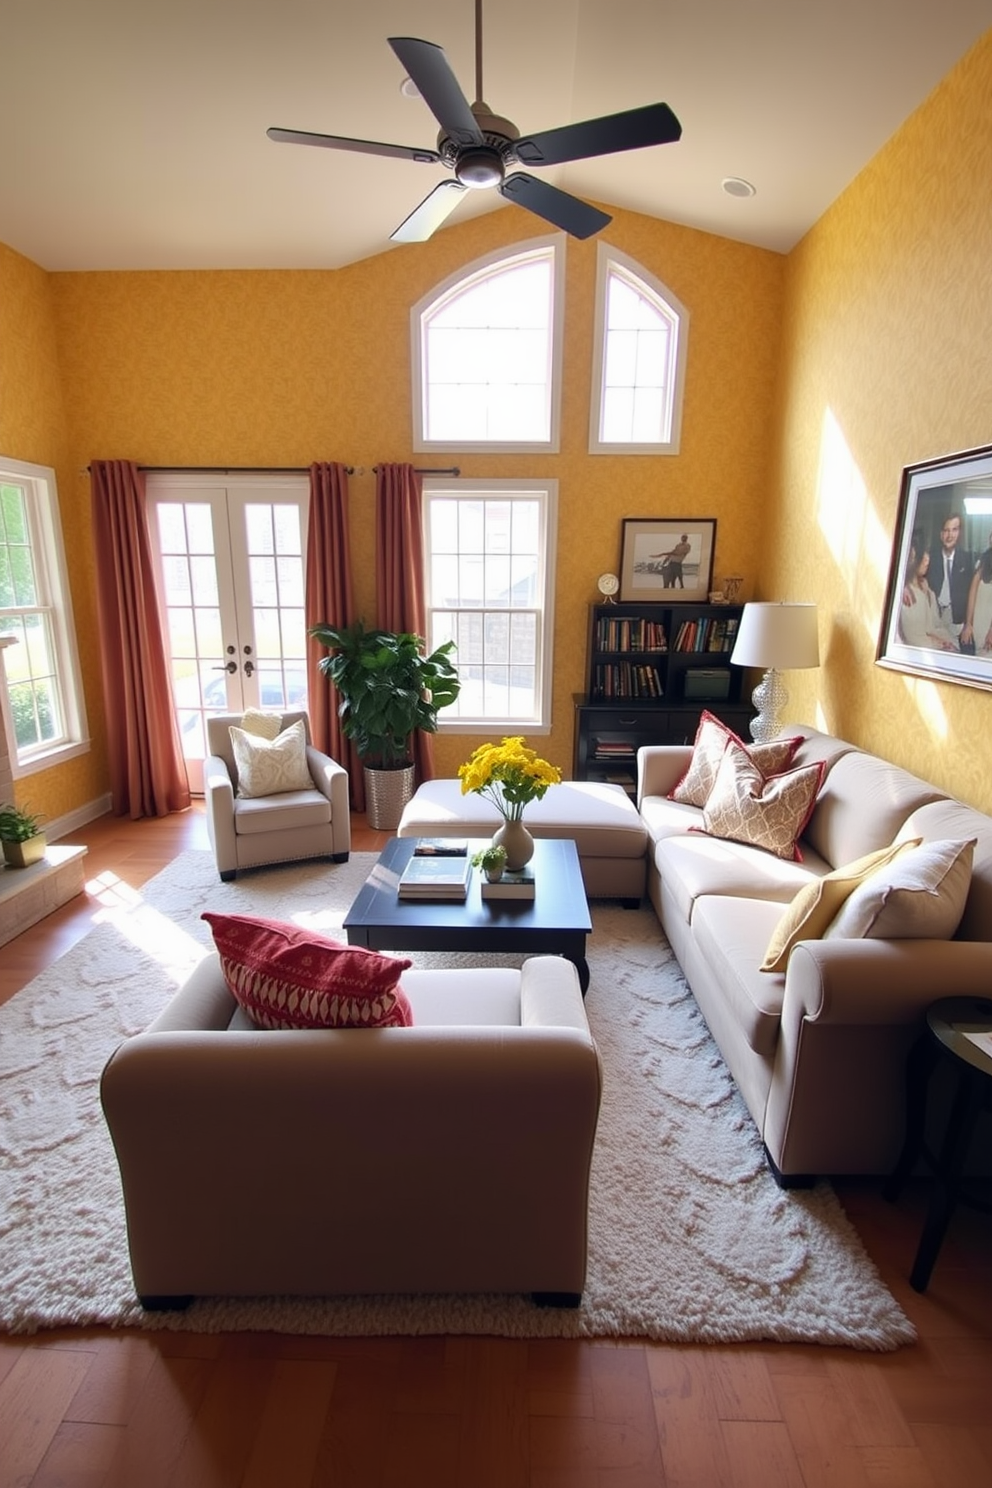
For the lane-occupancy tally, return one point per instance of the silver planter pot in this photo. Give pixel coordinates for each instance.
(386, 793)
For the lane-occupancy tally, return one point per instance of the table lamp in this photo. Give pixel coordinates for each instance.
(778, 638)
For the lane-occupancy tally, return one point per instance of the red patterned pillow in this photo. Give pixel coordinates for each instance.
(285, 977)
(712, 738)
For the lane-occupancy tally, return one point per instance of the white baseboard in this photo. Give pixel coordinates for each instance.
(61, 826)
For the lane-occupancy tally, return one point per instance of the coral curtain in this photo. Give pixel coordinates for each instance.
(399, 571)
(147, 771)
(329, 601)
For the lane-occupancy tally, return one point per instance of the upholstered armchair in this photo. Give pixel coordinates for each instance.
(450, 1156)
(312, 821)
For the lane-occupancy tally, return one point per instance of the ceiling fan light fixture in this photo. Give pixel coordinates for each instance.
(479, 168)
(409, 88)
(737, 186)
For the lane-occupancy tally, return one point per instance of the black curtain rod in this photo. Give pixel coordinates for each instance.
(227, 469)
(443, 470)
(268, 470)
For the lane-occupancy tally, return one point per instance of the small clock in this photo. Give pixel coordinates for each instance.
(608, 584)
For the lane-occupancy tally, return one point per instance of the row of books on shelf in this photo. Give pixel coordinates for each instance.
(631, 633)
(625, 679)
(706, 634)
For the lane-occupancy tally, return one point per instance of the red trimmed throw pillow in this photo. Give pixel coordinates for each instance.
(769, 812)
(712, 738)
(286, 977)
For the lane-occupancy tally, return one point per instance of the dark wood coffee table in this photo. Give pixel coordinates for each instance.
(555, 922)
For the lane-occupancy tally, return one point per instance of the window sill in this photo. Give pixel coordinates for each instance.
(39, 762)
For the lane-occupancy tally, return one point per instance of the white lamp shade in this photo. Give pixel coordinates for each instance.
(782, 637)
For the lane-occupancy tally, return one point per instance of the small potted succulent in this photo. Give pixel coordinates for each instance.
(22, 837)
(492, 861)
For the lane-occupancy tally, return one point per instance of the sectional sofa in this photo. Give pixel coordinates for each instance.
(818, 1050)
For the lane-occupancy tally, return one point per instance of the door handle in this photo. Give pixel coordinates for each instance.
(230, 666)
(249, 668)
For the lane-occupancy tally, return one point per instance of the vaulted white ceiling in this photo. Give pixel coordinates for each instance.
(132, 132)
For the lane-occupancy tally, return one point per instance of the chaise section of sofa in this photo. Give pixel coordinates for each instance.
(818, 1051)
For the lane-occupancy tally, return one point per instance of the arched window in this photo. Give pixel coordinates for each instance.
(639, 357)
(487, 354)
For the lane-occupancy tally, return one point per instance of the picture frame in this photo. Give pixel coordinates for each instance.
(649, 573)
(937, 619)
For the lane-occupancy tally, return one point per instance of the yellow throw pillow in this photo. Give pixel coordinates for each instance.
(265, 725)
(817, 903)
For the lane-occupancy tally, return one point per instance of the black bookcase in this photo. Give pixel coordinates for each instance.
(652, 669)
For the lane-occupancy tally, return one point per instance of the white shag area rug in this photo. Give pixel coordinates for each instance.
(690, 1238)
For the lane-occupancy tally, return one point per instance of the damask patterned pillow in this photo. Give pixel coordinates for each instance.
(287, 977)
(769, 812)
(712, 739)
(267, 767)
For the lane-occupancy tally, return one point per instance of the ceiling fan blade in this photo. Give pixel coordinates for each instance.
(437, 85)
(425, 220)
(362, 147)
(567, 212)
(655, 124)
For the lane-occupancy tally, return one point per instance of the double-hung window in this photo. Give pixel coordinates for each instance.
(43, 705)
(490, 560)
(639, 355)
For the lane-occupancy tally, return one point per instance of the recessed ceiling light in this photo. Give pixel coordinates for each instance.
(737, 186)
(409, 88)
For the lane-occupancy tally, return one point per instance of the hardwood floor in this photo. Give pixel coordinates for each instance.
(157, 1410)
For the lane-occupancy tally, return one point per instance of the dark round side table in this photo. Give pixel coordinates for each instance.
(958, 1033)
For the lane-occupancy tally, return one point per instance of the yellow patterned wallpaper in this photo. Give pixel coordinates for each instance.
(886, 361)
(32, 428)
(281, 368)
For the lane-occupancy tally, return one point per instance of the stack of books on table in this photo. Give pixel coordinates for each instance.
(519, 885)
(435, 877)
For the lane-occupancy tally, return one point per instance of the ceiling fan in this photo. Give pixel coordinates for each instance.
(480, 146)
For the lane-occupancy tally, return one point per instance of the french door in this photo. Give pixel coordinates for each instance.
(230, 556)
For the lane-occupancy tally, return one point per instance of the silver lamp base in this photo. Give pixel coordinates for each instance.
(770, 698)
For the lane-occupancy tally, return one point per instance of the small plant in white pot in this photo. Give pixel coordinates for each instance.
(22, 837)
(492, 861)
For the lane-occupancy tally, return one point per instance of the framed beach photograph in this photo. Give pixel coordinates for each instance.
(667, 561)
(937, 620)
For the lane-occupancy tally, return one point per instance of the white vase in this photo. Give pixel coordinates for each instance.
(518, 842)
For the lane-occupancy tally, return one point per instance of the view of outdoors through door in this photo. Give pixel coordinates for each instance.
(231, 574)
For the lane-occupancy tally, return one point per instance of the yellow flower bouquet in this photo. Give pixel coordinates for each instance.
(509, 775)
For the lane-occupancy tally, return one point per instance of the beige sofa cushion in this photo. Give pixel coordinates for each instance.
(695, 865)
(862, 804)
(731, 935)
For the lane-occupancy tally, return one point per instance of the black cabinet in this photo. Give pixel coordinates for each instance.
(652, 670)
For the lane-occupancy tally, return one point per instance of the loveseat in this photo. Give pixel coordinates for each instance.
(450, 1156)
(818, 1051)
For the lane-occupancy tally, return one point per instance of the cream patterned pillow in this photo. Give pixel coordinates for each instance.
(921, 896)
(267, 767)
(712, 740)
(265, 725)
(818, 903)
(771, 813)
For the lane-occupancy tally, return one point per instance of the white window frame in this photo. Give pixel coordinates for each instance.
(491, 265)
(611, 261)
(48, 554)
(546, 492)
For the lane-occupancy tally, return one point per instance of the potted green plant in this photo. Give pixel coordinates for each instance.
(388, 688)
(492, 861)
(22, 837)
